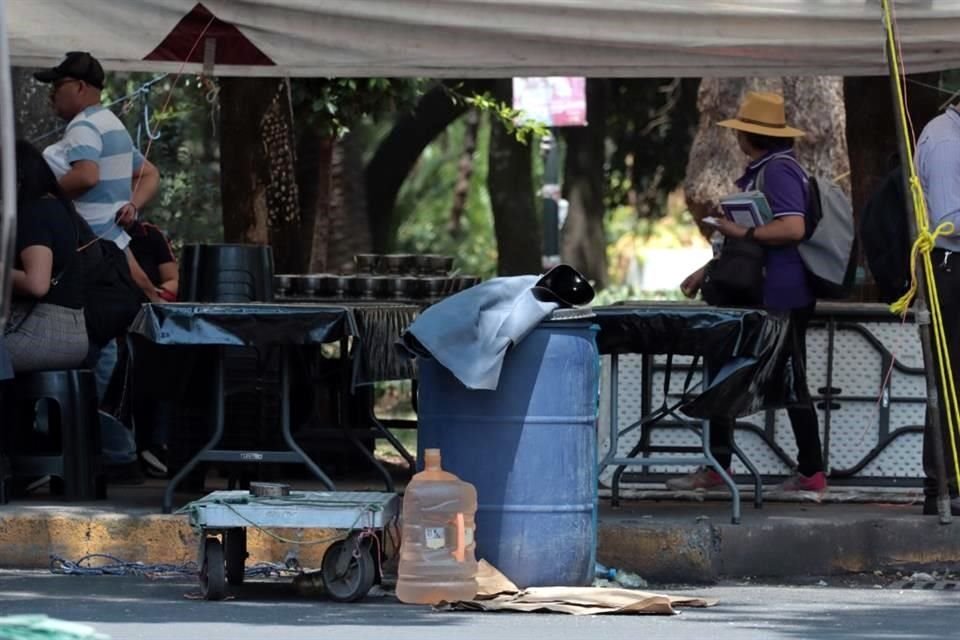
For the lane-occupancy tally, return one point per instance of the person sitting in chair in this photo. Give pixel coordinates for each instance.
(46, 330)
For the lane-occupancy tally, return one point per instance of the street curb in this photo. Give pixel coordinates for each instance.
(29, 538)
(662, 550)
(788, 547)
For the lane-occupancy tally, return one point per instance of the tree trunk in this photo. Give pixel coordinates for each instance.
(349, 225)
(332, 199)
(401, 148)
(315, 157)
(516, 218)
(245, 170)
(584, 239)
(813, 104)
(464, 173)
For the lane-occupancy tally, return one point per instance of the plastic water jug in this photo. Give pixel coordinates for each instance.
(437, 559)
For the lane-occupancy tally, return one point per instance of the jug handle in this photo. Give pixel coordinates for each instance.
(461, 553)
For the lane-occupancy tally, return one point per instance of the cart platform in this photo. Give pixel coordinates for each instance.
(300, 509)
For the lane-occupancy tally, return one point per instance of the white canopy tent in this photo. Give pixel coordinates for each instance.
(487, 38)
(465, 38)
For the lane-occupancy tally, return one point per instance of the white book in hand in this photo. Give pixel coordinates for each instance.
(748, 209)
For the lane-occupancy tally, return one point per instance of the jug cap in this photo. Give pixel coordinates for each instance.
(431, 458)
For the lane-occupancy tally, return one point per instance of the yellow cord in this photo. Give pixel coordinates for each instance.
(922, 247)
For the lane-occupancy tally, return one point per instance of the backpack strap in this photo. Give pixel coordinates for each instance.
(758, 181)
(813, 192)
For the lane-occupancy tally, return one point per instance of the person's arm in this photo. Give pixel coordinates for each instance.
(82, 176)
(34, 279)
(83, 144)
(140, 278)
(786, 229)
(145, 184)
(692, 283)
(786, 190)
(169, 277)
(146, 181)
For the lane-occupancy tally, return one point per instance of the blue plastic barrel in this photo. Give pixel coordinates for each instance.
(530, 449)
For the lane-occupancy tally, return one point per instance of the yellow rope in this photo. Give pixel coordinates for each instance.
(924, 245)
(921, 248)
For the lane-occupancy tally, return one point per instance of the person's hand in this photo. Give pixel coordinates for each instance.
(692, 283)
(127, 215)
(729, 228)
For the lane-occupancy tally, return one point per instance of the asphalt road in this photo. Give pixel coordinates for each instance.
(129, 608)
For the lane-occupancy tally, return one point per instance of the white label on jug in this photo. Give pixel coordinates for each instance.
(467, 536)
(436, 537)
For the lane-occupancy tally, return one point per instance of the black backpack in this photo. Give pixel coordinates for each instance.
(885, 237)
(111, 298)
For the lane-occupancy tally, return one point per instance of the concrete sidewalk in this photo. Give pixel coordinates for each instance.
(661, 537)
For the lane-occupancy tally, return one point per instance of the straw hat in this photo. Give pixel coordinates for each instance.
(762, 113)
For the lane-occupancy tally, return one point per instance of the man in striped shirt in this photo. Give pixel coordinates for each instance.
(99, 167)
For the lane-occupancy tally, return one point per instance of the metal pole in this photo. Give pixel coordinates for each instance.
(550, 197)
(8, 186)
(920, 306)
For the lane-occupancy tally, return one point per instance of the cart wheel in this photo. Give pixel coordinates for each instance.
(235, 549)
(348, 577)
(212, 583)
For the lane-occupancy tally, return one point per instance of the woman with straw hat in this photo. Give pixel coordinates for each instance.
(765, 137)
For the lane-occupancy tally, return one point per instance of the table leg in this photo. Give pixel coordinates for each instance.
(757, 481)
(392, 439)
(614, 428)
(285, 419)
(218, 413)
(727, 480)
(348, 400)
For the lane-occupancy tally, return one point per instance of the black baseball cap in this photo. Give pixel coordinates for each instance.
(78, 65)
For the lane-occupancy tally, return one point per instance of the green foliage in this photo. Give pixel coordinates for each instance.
(513, 120)
(186, 153)
(426, 199)
(333, 106)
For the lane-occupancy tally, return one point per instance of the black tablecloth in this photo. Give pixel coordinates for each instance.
(744, 349)
(374, 326)
(240, 324)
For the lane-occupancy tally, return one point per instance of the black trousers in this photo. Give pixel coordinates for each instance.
(803, 415)
(946, 272)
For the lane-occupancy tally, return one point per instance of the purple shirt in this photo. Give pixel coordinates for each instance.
(785, 286)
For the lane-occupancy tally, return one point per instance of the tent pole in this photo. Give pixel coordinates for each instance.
(8, 178)
(920, 309)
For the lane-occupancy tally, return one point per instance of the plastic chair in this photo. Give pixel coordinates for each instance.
(226, 273)
(56, 432)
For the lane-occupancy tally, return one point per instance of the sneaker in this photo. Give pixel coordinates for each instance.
(45, 480)
(154, 462)
(702, 478)
(816, 483)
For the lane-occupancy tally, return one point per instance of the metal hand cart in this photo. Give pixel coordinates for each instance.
(349, 566)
